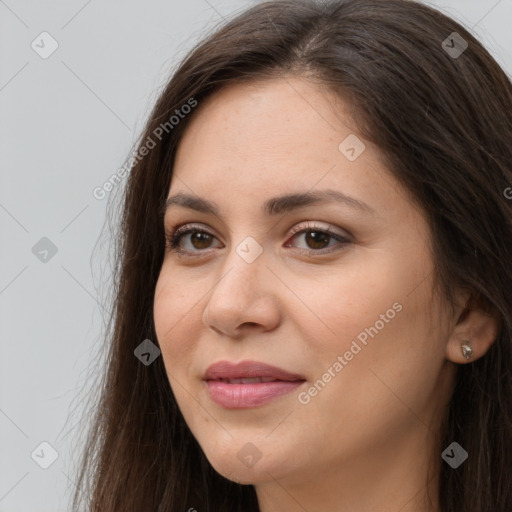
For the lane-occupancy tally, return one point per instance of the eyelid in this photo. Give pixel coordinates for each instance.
(302, 227)
(314, 225)
(306, 224)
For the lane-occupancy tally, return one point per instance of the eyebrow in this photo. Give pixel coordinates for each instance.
(274, 206)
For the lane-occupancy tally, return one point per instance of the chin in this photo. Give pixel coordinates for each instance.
(245, 464)
(242, 475)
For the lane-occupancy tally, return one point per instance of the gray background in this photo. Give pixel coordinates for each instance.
(67, 123)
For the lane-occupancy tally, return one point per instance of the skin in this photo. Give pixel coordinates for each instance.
(365, 441)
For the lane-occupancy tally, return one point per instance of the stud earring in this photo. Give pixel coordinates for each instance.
(467, 351)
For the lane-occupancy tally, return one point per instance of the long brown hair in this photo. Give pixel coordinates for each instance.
(443, 122)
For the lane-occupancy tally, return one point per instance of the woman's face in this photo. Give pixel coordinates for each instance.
(350, 315)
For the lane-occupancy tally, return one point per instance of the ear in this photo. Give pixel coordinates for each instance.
(477, 325)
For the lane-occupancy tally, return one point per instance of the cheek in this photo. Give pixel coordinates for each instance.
(177, 323)
(376, 318)
(345, 300)
(176, 314)
(392, 352)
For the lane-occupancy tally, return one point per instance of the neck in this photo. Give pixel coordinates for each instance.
(389, 479)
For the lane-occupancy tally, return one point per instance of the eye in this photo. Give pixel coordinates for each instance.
(200, 239)
(316, 237)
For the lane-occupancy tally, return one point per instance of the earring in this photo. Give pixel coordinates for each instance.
(467, 351)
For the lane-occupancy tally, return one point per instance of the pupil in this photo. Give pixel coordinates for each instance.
(317, 238)
(201, 237)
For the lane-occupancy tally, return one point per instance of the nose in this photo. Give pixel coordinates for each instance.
(243, 298)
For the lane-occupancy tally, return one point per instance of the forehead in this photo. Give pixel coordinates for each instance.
(285, 127)
(279, 114)
(254, 141)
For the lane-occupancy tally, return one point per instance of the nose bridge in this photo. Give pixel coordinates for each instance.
(245, 263)
(238, 296)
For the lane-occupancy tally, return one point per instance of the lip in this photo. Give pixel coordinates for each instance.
(247, 395)
(247, 369)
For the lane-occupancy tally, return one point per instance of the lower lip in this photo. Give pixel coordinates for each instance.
(243, 396)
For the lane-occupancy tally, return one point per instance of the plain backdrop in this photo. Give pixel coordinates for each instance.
(67, 122)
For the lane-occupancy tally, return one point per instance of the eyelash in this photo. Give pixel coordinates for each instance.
(173, 239)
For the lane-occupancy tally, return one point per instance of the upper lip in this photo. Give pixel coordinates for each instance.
(247, 369)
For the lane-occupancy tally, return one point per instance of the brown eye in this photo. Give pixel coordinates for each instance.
(199, 240)
(318, 238)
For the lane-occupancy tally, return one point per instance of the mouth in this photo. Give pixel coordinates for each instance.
(226, 370)
(248, 383)
(248, 380)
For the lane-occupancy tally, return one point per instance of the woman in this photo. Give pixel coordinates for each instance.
(314, 304)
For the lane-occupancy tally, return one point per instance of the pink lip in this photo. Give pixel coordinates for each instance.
(239, 396)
